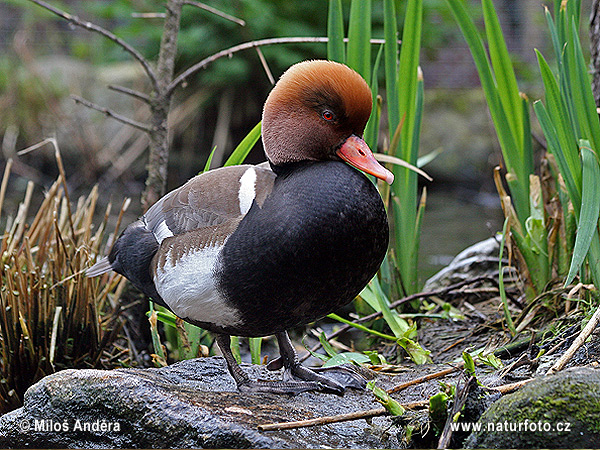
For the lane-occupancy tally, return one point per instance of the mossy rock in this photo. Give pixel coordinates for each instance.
(557, 411)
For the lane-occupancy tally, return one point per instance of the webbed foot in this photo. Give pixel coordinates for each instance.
(297, 378)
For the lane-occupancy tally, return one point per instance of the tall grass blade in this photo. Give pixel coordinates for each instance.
(504, 74)
(553, 121)
(587, 228)
(209, 160)
(359, 38)
(509, 142)
(372, 129)
(405, 187)
(335, 32)
(255, 346)
(585, 99)
(241, 151)
(390, 30)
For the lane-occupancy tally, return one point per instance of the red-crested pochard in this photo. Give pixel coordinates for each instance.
(253, 251)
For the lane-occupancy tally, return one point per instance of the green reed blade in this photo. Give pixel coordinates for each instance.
(241, 151)
(359, 38)
(335, 32)
(587, 226)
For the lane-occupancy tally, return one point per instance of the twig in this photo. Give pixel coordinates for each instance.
(338, 418)
(578, 342)
(215, 11)
(140, 126)
(424, 378)
(265, 65)
(133, 93)
(107, 34)
(245, 46)
(506, 388)
(149, 15)
(4, 184)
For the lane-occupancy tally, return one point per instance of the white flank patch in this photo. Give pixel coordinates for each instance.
(189, 289)
(247, 190)
(162, 231)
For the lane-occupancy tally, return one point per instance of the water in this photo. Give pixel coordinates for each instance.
(454, 220)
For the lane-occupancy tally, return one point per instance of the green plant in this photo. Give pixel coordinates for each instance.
(544, 240)
(569, 120)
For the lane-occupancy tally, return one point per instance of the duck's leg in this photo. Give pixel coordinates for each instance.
(337, 379)
(245, 384)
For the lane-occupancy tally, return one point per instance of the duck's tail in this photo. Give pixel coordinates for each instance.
(102, 266)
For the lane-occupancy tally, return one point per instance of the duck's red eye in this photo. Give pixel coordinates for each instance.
(327, 115)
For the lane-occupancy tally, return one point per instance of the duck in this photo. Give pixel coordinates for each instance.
(256, 250)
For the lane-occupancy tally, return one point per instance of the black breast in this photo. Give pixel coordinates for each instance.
(316, 242)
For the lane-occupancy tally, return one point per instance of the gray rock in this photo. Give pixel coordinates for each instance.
(189, 404)
(557, 411)
(479, 259)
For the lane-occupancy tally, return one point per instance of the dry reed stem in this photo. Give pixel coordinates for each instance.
(50, 314)
(577, 343)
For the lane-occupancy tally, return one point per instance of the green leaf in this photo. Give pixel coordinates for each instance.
(554, 146)
(392, 406)
(567, 154)
(241, 151)
(587, 226)
(490, 360)
(347, 358)
(375, 358)
(469, 363)
(438, 409)
(315, 354)
(587, 111)
(326, 345)
(335, 32)
(417, 354)
(408, 73)
(167, 318)
(509, 142)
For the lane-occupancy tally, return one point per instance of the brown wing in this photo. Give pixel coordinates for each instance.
(209, 199)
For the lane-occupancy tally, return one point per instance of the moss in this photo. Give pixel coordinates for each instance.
(569, 397)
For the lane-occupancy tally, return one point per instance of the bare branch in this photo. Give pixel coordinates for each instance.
(215, 11)
(149, 15)
(107, 34)
(127, 121)
(265, 65)
(245, 46)
(135, 94)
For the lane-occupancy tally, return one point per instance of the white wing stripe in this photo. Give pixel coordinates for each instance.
(247, 191)
(162, 231)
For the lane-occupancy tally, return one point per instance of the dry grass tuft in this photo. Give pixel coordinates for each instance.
(51, 316)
